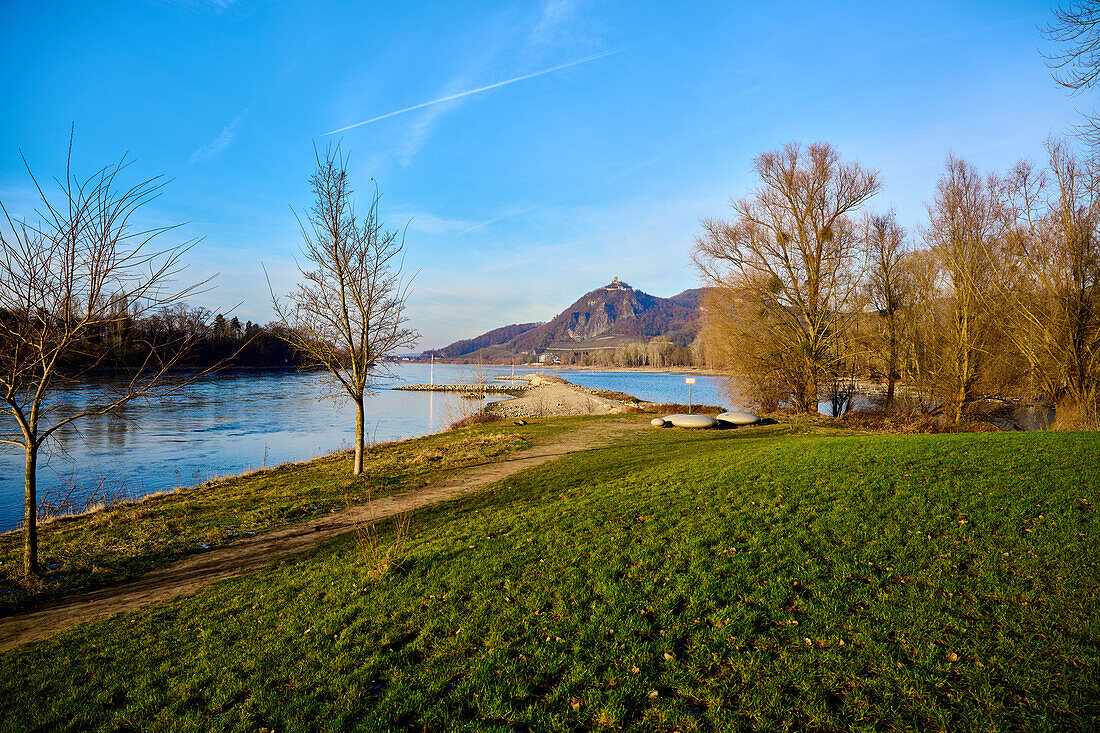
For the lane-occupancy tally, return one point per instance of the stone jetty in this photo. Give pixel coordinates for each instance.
(514, 390)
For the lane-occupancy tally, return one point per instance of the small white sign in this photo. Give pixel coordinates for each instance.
(689, 380)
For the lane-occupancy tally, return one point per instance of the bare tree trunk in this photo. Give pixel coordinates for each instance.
(892, 364)
(358, 468)
(962, 393)
(30, 517)
(807, 401)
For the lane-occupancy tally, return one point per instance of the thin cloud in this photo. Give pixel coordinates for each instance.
(216, 6)
(555, 14)
(217, 146)
(421, 129)
(418, 135)
(652, 160)
(432, 224)
(495, 219)
(460, 95)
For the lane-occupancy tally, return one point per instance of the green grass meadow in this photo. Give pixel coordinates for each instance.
(736, 580)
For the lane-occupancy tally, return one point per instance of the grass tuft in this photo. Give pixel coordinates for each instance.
(381, 550)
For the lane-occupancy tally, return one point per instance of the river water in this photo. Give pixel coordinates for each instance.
(241, 421)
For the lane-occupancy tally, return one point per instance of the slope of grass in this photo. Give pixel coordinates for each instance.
(692, 581)
(125, 540)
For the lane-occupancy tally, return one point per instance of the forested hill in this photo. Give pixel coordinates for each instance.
(606, 317)
(495, 337)
(690, 298)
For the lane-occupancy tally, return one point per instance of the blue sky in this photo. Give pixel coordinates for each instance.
(524, 196)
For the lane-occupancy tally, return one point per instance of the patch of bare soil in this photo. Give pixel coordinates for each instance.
(251, 554)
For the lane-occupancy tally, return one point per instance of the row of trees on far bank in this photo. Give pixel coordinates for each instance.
(659, 352)
(994, 296)
(129, 336)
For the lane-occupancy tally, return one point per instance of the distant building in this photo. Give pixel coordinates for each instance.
(547, 358)
(616, 284)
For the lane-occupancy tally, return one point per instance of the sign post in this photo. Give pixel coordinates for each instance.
(689, 381)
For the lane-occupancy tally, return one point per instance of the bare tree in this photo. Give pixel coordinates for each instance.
(925, 322)
(65, 282)
(349, 314)
(1050, 277)
(887, 287)
(963, 221)
(792, 258)
(1076, 31)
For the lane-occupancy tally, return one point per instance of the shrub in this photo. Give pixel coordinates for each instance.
(478, 418)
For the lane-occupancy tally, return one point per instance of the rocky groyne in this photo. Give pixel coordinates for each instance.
(549, 396)
(514, 390)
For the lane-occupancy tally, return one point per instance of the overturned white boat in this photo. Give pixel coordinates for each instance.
(738, 417)
(691, 421)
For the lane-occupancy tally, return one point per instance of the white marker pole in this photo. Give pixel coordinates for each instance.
(432, 370)
(689, 381)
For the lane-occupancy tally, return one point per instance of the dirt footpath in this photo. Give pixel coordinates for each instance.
(248, 555)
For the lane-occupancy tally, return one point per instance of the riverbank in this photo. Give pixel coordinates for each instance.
(545, 396)
(789, 575)
(258, 549)
(689, 370)
(224, 425)
(121, 542)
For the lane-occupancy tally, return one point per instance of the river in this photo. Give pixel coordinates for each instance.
(240, 421)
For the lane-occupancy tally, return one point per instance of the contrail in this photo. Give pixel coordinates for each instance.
(532, 75)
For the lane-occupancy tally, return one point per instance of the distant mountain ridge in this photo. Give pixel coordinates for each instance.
(600, 319)
(492, 338)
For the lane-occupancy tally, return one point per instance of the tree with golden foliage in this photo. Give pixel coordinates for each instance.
(888, 291)
(923, 322)
(787, 268)
(962, 227)
(1049, 280)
